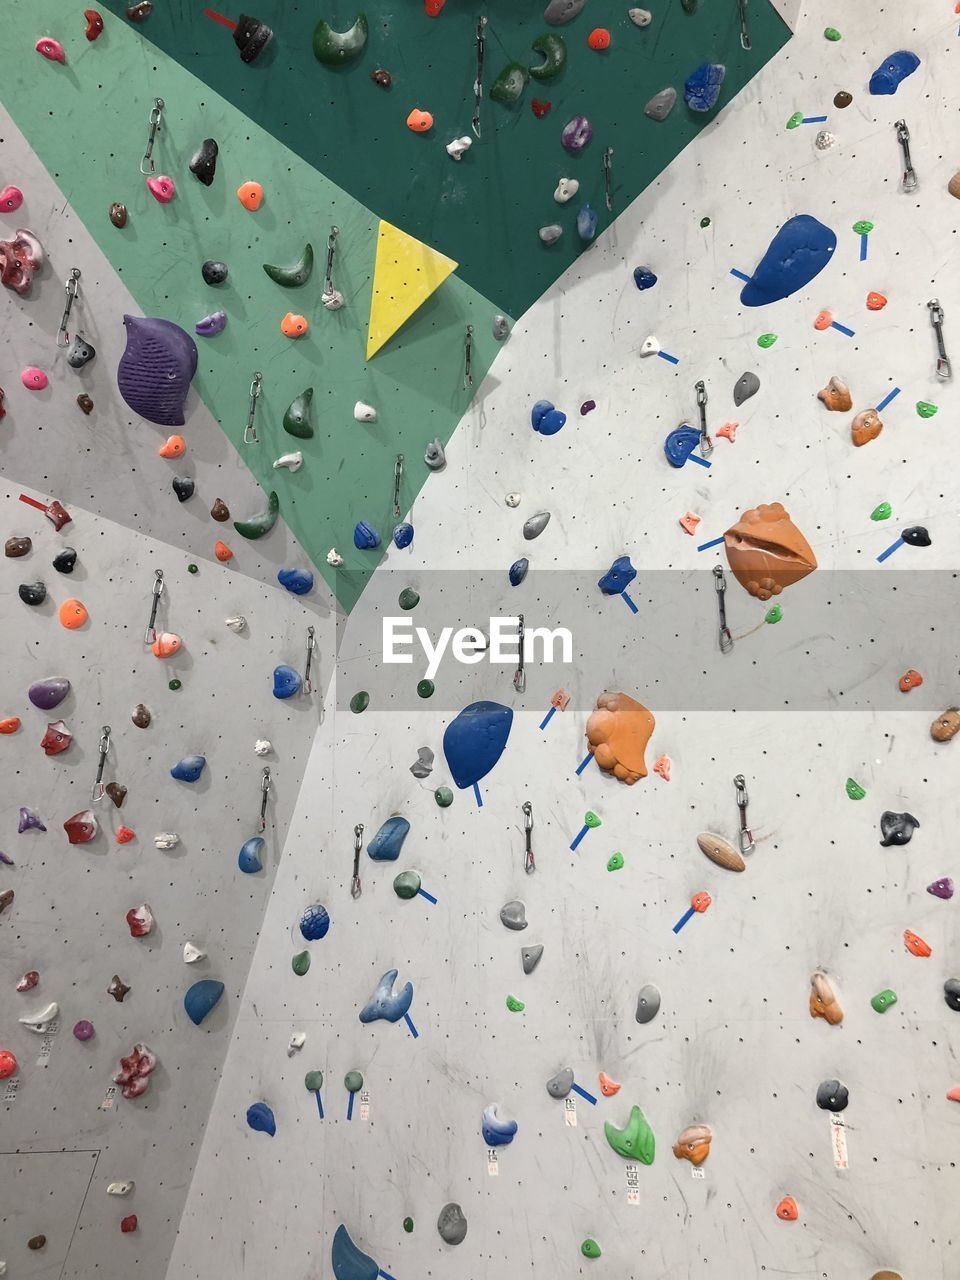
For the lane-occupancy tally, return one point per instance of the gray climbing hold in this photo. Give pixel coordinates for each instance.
(558, 12)
(661, 104)
(530, 956)
(640, 17)
(501, 327)
(533, 527)
(423, 765)
(434, 456)
(550, 234)
(452, 1224)
(559, 1086)
(951, 993)
(514, 915)
(747, 385)
(648, 1003)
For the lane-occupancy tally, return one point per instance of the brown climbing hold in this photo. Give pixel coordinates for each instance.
(953, 186)
(381, 77)
(787, 1209)
(116, 792)
(117, 988)
(118, 214)
(823, 1000)
(16, 547)
(618, 731)
(865, 427)
(767, 552)
(141, 716)
(946, 725)
(720, 851)
(220, 511)
(85, 403)
(842, 99)
(693, 1144)
(836, 396)
(886, 1275)
(36, 1242)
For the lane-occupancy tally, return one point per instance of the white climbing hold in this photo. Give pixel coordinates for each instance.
(567, 188)
(364, 412)
(825, 140)
(263, 746)
(640, 17)
(237, 623)
(40, 1021)
(292, 461)
(297, 1041)
(166, 839)
(333, 300)
(550, 234)
(192, 954)
(512, 499)
(650, 346)
(121, 1188)
(458, 146)
(334, 558)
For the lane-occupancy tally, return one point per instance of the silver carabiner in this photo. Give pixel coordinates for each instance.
(331, 250)
(608, 178)
(520, 675)
(156, 115)
(723, 635)
(746, 835)
(909, 181)
(468, 357)
(397, 477)
(150, 634)
(745, 41)
(936, 319)
(250, 430)
(98, 788)
(706, 444)
(355, 889)
(481, 42)
(265, 785)
(529, 865)
(311, 645)
(72, 287)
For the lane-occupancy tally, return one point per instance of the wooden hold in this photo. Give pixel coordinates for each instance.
(720, 851)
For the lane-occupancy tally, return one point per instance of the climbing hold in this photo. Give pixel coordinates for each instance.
(129, 1223)
(946, 725)
(553, 50)
(586, 223)
(262, 522)
(117, 214)
(635, 1141)
(474, 741)
(248, 860)
(140, 920)
(661, 104)
(452, 1223)
(618, 577)
(85, 403)
(546, 419)
(116, 792)
(359, 702)
(941, 888)
(188, 769)
(16, 547)
(530, 957)
(500, 326)
(10, 724)
(19, 259)
(123, 835)
(551, 233)
(156, 368)
(865, 427)
(409, 599)
(135, 1071)
(33, 379)
(81, 827)
(166, 840)
(576, 133)
(49, 693)
(897, 828)
(693, 1144)
(117, 988)
(875, 301)
(419, 121)
(353, 1081)
(615, 862)
(509, 85)
(608, 1087)
(747, 385)
(251, 36)
(314, 922)
(423, 765)
(141, 716)
(796, 255)
(173, 447)
(832, 1096)
(535, 525)
(183, 487)
(766, 340)
(294, 274)
(831, 33)
(8, 1064)
(40, 1021)
(951, 993)
(640, 17)
(539, 108)
(385, 1003)
(334, 48)
(222, 551)
(32, 593)
(434, 456)
(721, 851)
(406, 885)
(292, 461)
(11, 198)
(662, 767)
(910, 680)
(300, 963)
(402, 535)
(28, 981)
(349, 1262)
(201, 998)
(57, 738)
(496, 1131)
(364, 412)
(120, 1188)
(214, 271)
(559, 12)
(925, 409)
(203, 166)
(567, 188)
(513, 915)
(80, 352)
(854, 790)
(680, 443)
(644, 278)
(618, 731)
(515, 1005)
(915, 944)
(702, 87)
(648, 1003)
(559, 1086)
(599, 39)
(261, 1118)
(796, 120)
(212, 324)
(916, 536)
(787, 1209)
(293, 326)
(162, 188)
(365, 537)
(72, 614)
(892, 71)
(443, 797)
(50, 49)
(250, 195)
(767, 552)
(286, 681)
(298, 582)
(387, 843)
(688, 522)
(836, 396)
(381, 77)
(823, 1000)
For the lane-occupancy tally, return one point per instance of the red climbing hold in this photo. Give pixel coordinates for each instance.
(787, 1209)
(910, 680)
(94, 23)
(599, 38)
(539, 108)
(129, 1223)
(433, 7)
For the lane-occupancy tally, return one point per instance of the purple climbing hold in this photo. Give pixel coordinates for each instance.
(29, 821)
(588, 406)
(576, 134)
(49, 693)
(941, 888)
(156, 369)
(216, 322)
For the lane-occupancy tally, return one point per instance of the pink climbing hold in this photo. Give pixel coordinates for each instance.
(140, 920)
(51, 49)
(11, 198)
(28, 981)
(134, 1073)
(728, 431)
(662, 767)
(33, 379)
(689, 522)
(162, 189)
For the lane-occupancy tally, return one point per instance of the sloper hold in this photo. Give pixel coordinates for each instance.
(337, 47)
(618, 731)
(530, 956)
(387, 843)
(261, 1118)
(559, 1086)
(349, 1262)
(892, 71)
(406, 273)
(648, 1003)
(452, 1224)
(897, 828)
(720, 851)
(635, 1141)
(559, 12)
(496, 1131)
(156, 369)
(796, 255)
(201, 998)
(475, 741)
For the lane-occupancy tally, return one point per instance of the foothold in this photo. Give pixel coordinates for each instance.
(34, 379)
(916, 945)
(615, 862)
(156, 369)
(162, 188)
(6, 899)
(118, 214)
(8, 1064)
(408, 1225)
(212, 324)
(85, 403)
(946, 725)
(359, 702)
(618, 577)
(214, 271)
(16, 547)
(823, 1000)
(57, 738)
(141, 716)
(381, 77)
(364, 412)
(434, 456)
(365, 537)
(635, 1141)
(120, 1188)
(443, 797)
(250, 195)
(201, 998)
(512, 499)
(423, 765)
(11, 198)
(701, 89)
(618, 731)
(910, 680)
(567, 188)
(587, 223)
(173, 447)
(409, 599)
(80, 352)
(824, 140)
(747, 385)
(28, 981)
(142, 9)
(407, 884)
(661, 104)
(475, 740)
(550, 234)
(509, 85)
(796, 255)
(135, 1071)
(261, 1118)
(203, 166)
(49, 693)
(81, 827)
(188, 769)
(220, 511)
(452, 1223)
(50, 49)
(117, 988)
(640, 17)
(767, 552)
(836, 396)
(298, 582)
(123, 835)
(787, 1210)
(183, 487)
(385, 1003)
(458, 147)
(588, 406)
(892, 71)
(515, 1005)
(20, 258)
(883, 1000)
(865, 427)
(387, 843)
(129, 1223)
(500, 326)
(530, 956)
(248, 859)
(140, 920)
(951, 993)
(925, 409)
(251, 36)
(36, 1242)
(832, 1096)
(897, 828)
(496, 1131)
(644, 278)
(599, 39)
(875, 301)
(286, 681)
(539, 108)
(535, 525)
(916, 536)
(648, 1003)
(662, 767)
(262, 522)
(402, 535)
(882, 512)
(166, 840)
(262, 747)
(854, 789)
(693, 1144)
(293, 325)
(766, 340)
(315, 922)
(419, 121)
(222, 551)
(546, 419)
(334, 48)
(576, 133)
(10, 724)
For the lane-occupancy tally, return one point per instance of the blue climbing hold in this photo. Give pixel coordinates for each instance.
(518, 571)
(586, 223)
(298, 581)
(261, 1118)
(201, 998)
(403, 535)
(644, 278)
(797, 254)
(314, 923)
(385, 1003)
(680, 443)
(891, 71)
(365, 537)
(349, 1263)
(188, 769)
(286, 682)
(249, 859)
(546, 418)
(618, 577)
(702, 88)
(386, 844)
(496, 1132)
(475, 741)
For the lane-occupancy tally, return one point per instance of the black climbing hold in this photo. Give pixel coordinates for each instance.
(80, 352)
(32, 592)
(251, 37)
(951, 993)
(203, 166)
(64, 560)
(916, 536)
(897, 828)
(832, 1096)
(214, 272)
(183, 487)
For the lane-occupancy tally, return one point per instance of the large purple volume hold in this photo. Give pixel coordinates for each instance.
(156, 369)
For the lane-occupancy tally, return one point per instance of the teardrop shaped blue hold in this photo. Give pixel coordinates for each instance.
(403, 535)
(518, 571)
(365, 537)
(188, 769)
(286, 682)
(249, 858)
(298, 581)
(680, 443)
(475, 741)
(261, 1118)
(586, 223)
(618, 577)
(797, 254)
(315, 922)
(387, 843)
(201, 998)
(349, 1263)
(701, 88)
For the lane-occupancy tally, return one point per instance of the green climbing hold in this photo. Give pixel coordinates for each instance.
(175, 685)
(688, 6)
(615, 862)
(262, 522)
(515, 1005)
(636, 1141)
(854, 789)
(359, 702)
(195, 568)
(704, 222)
(831, 33)
(407, 884)
(795, 120)
(313, 1081)
(296, 420)
(300, 963)
(925, 409)
(510, 83)
(554, 53)
(766, 340)
(590, 1248)
(337, 47)
(443, 797)
(773, 614)
(353, 1082)
(408, 598)
(883, 1000)
(298, 273)
(883, 512)
(863, 227)
(590, 819)
(408, 1225)
(425, 689)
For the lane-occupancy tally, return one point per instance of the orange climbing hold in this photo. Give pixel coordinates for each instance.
(166, 644)
(10, 725)
(419, 121)
(662, 767)
(124, 835)
(953, 1095)
(294, 326)
(599, 38)
(618, 731)
(434, 7)
(875, 301)
(222, 552)
(787, 1209)
(689, 523)
(700, 901)
(173, 447)
(916, 945)
(250, 195)
(73, 614)
(824, 320)
(910, 680)
(608, 1087)
(728, 431)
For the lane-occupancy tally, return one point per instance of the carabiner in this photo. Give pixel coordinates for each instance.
(98, 788)
(608, 178)
(265, 785)
(746, 835)
(723, 635)
(529, 865)
(150, 634)
(936, 319)
(156, 115)
(397, 477)
(520, 676)
(250, 430)
(468, 357)
(311, 645)
(481, 42)
(355, 889)
(909, 181)
(72, 287)
(706, 444)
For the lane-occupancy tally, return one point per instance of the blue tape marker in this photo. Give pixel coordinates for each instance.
(891, 395)
(739, 275)
(813, 119)
(350, 1097)
(628, 602)
(714, 542)
(583, 1094)
(835, 324)
(547, 718)
(413, 1030)
(683, 919)
(384, 1275)
(584, 762)
(429, 896)
(320, 1104)
(579, 836)
(863, 248)
(665, 355)
(889, 551)
(476, 792)
(701, 462)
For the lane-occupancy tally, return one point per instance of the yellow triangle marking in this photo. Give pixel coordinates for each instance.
(406, 273)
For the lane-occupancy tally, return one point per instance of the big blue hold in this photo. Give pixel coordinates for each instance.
(618, 577)
(644, 278)
(475, 740)
(546, 419)
(365, 537)
(403, 535)
(680, 443)
(261, 1118)
(797, 254)
(518, 571)
(249, 859)
(314, 923)
(286, 682)
(387, 843)
(299, 581)
(349, 1263)
(188, 769)
(702, 88)
(497, 1132)
(385, 1003)
(887, 77)
(586, 223)
(201, 998)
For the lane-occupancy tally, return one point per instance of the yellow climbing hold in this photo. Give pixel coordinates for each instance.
(407, 272)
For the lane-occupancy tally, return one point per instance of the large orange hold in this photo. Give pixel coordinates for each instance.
(599, 38)
(419, 121)
(617, 734)
(10, 725)
(787, 1209)
(294, 326)
(166, 644)
(73, 614)
(250, 195)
